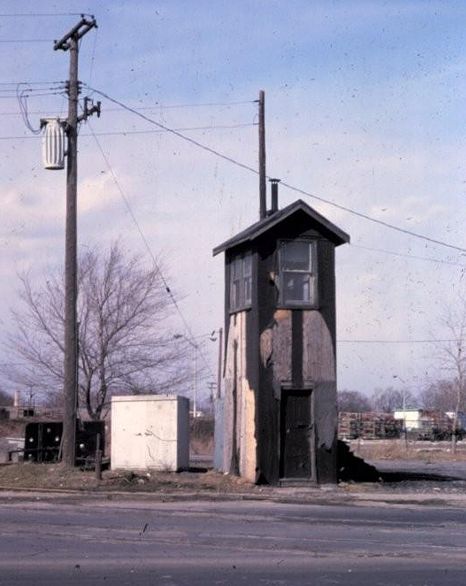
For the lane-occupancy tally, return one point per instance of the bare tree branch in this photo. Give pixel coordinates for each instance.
(453, 356)
(125, 345)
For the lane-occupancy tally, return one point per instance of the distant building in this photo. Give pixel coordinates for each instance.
(461, 422)
(424, 421)
(413, 419)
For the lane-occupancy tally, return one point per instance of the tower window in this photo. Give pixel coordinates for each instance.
(297, 271)
(241, 282)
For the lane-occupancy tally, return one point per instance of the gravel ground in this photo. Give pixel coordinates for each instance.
(416, 476)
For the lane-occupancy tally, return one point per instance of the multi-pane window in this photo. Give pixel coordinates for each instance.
(297, 271)
(240, 282)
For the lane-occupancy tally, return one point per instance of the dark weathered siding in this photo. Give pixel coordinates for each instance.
(297, 351)
(272, 350)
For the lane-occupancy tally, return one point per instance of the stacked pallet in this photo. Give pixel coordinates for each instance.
(348, 425)
(440, 421)
(369, 425)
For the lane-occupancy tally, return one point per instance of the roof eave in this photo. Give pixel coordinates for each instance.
(257, 229)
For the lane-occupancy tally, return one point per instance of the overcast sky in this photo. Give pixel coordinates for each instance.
(365, 106)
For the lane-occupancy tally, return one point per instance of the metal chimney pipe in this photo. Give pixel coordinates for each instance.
(274, 207)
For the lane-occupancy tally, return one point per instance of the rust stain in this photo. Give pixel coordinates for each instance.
(281, 314)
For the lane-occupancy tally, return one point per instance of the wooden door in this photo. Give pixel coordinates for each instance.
(296, 441)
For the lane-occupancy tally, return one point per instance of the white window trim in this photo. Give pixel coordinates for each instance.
(313, 273)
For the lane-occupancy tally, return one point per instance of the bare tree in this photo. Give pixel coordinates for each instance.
(441, 396)
(390, 399)
(5, 398)
(453, 356)
(125, 344)
(353, 402)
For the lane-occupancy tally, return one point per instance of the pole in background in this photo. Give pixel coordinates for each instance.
(262, 172)
(70, 42)
(98, 458)
(219, 366)
(195, 383)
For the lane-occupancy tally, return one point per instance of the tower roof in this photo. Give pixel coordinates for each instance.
(334, 233)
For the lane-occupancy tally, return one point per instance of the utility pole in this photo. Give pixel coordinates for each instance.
(262, 173)
(219, 365)
(70, 42)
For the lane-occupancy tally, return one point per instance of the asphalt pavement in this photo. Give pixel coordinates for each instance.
(51, 539)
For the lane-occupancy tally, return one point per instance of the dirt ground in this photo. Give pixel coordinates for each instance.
(404, 467)
(56, 476)
(398, 449)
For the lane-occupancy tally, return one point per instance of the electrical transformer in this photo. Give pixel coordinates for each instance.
(53, 143)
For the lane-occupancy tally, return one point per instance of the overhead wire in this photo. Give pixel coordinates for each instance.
(39, 14)
(22, 97)
(164, 128)
(15, 83)
(211, 127)
(130, 132)
(147, 108)
(193, 105)
(371, 218)
(56, 93)
(168, 290)
(283, 183)
(190, 128)
(33, 90)
(407, 341)
(94, 45)
(174, 132)
(406, 255)
(26, 41)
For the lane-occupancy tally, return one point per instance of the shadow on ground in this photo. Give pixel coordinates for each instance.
(352, 468)
(405, 476)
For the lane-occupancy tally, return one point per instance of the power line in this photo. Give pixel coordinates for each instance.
(211, 127)
(32, 90)
(94, 45)
(128, 132)
(371, 219)
(148, 248)
(38, 14)
(26, 41)
(393, 341)
(191, 128)
(235, 126)
(406, 255)
(15, 83)
(56, 93)
(22, 96)
(284, 183)
(145, 108)
(198, 105)
(23, 106)
(176, 132)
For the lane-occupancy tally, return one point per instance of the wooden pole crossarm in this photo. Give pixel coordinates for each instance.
(78, 31)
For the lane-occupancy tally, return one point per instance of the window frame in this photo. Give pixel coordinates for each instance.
(244, 278)
(313, 273)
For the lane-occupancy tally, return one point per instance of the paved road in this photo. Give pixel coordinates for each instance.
(71, 540)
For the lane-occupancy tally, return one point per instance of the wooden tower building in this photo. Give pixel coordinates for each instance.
(277, 418)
